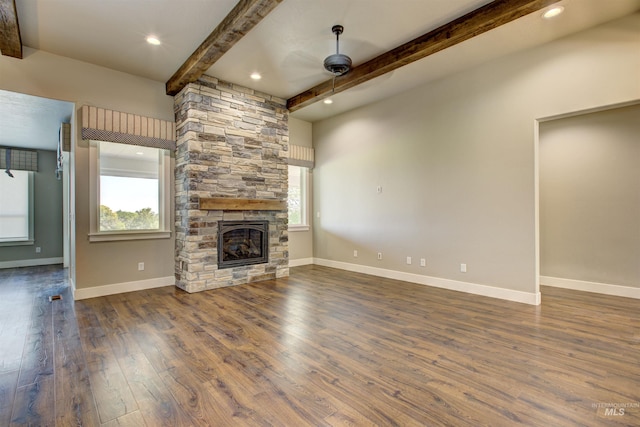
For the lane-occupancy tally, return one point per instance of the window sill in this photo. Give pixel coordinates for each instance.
(17, 243)
(299, 228)
(133, 235)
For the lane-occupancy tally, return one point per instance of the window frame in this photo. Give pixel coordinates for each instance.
(305, 187)
(164, 216)
(30, 240)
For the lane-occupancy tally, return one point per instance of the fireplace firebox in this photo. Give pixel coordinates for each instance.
(242, 243)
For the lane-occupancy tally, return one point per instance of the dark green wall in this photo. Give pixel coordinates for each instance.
(47, 216)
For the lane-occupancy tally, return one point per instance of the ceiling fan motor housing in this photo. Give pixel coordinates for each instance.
(337, 64)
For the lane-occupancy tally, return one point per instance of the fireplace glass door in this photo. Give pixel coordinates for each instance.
(242, 243)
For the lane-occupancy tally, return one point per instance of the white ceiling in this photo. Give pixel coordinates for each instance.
(289, 45)
(30, 121)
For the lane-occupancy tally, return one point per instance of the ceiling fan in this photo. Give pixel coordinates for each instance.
(337, 64)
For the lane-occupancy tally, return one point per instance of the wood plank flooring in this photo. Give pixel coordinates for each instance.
(321, 348)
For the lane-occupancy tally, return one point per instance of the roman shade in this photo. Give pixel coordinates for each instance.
(100, 124)
(18, 159)
(301, 156)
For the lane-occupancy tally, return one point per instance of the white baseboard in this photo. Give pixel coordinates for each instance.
(600, 288)
(119, 288)
(454, 285)
(31, 262)
(299, 262)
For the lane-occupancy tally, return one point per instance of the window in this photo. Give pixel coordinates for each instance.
(298, 198)
(130, 192)
(16, 208)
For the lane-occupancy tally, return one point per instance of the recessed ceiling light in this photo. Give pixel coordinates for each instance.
(256, 76)
(153, 40)
(328, 101)
(553, 12)
(139, 153)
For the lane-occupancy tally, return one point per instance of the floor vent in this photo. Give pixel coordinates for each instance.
(54, 298)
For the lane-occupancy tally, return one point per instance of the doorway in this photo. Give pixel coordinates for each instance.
(589, 201)
(33, 124)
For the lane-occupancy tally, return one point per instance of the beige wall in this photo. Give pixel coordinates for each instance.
(52, 76)
(590, 197)
(301, 242)
(456, 160)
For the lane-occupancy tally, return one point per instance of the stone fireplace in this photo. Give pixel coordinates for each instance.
(231, 179)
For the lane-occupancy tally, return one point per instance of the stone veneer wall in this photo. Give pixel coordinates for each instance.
(232, 142)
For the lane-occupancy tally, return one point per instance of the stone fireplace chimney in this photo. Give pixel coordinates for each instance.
(231, 165)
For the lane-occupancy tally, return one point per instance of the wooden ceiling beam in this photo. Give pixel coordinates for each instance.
(242, 18)
(481, 20)
(10, 41)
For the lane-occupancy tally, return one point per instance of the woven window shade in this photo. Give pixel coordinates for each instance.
(301, 156)
(21, 160)
(113, 126)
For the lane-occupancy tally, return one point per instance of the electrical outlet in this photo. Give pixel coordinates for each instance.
(463, 268)
(423, 262)
(38, 249)
(140, 266)
(409, 260)
(355, 253)
(379, 255)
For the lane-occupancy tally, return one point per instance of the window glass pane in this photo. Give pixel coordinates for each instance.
(129, 187)
(14, 206)
(296, 196)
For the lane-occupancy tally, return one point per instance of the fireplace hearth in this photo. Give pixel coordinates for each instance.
(242, 243)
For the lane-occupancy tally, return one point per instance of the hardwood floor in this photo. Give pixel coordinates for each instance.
(321, 348)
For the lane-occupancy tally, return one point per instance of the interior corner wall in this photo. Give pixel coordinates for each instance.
(456, 161)
(590, 197)
(301, 242)
(47, 218)
(43, 74)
